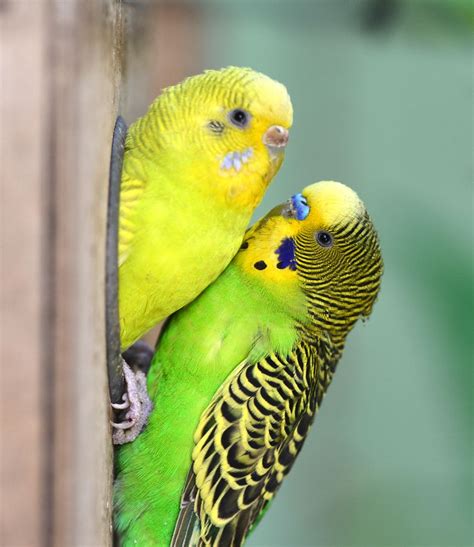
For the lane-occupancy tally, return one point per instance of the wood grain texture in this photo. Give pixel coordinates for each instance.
(85, 56)
(22, 127)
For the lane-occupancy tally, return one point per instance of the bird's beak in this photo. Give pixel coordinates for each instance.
(275, 139)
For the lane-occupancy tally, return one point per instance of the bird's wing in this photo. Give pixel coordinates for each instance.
(246, 442)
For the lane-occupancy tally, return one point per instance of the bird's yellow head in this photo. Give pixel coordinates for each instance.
(322, 241)
(225, 130)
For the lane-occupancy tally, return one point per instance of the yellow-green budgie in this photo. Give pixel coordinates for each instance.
(240, 373)
(195, 167)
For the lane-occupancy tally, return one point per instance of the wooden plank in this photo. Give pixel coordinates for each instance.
(22, 147)
(86, 65)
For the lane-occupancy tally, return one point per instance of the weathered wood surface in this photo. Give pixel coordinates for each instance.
(22, 129)
(86, 40)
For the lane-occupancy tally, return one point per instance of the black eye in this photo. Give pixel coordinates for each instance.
(239, 117)
(324, 238)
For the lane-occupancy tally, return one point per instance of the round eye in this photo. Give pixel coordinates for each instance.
(324, 238)
(239, 117)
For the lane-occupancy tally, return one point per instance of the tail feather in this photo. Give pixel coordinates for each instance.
(187, 530)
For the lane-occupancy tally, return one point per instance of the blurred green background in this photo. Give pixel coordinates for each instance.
(382, 98)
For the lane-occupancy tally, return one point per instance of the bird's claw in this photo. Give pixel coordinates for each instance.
(121, 406)
(139, 407)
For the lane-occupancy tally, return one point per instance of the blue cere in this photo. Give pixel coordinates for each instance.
(286, 254)
(300, 206)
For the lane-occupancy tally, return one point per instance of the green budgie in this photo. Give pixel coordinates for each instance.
(240, 373)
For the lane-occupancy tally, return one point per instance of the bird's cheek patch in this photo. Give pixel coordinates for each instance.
(286, 254)
(235, 160)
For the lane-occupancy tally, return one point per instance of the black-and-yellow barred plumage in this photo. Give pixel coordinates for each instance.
(342, 287)
(249, 437)
(253, 429)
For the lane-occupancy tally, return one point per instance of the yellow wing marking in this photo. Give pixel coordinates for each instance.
(250, 435)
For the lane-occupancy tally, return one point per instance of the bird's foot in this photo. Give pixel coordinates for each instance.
(139, 356)
(139, 406)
